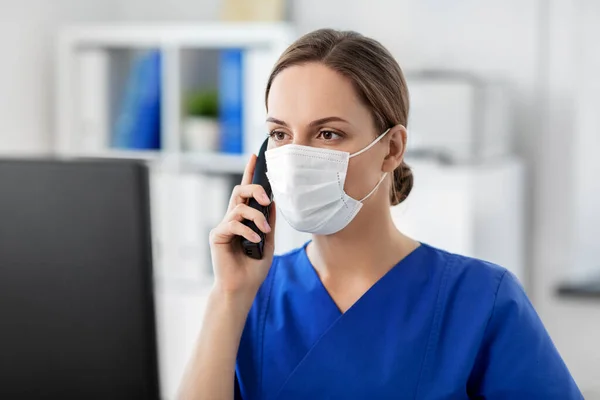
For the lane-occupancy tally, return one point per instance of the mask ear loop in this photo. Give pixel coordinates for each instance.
(375, 188)
(373, 143)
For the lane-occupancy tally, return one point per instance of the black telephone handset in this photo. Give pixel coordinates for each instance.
(255, 250)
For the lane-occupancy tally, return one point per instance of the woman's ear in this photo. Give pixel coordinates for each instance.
(397, 137)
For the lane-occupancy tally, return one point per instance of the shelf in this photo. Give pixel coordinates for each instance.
(215, 162)
(143, 155)
(86, 83)
(206, 35)
(583, 289)
(209, 163)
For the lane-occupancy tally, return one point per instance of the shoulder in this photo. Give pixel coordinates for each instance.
(487, 323)
(470, 289)
(492, 319)
(473, 275)
(482, 301)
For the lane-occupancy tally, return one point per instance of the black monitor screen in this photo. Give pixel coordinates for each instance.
(76, 298)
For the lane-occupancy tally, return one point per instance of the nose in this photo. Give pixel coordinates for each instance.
(302, 137)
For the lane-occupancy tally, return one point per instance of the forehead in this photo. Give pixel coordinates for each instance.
(311, 91)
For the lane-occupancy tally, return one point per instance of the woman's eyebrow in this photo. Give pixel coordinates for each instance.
(322, 121)
(277, 121)
(314, 123)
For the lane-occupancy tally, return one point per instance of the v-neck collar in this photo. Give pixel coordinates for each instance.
(319, 283)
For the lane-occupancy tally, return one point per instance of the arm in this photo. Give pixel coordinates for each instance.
(517, 359)
(211, 372)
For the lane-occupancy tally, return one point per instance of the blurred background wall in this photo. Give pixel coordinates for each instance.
(545, 50)
(28, 39)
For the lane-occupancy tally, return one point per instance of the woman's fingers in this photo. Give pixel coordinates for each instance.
(249, 170)
(226, 231)
(242, 212)
(246, 180)
(239, 211)
(241, 194)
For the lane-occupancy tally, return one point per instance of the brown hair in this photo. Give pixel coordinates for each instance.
(376, 77)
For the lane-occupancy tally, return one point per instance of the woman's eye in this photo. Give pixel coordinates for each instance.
(277, 135)
(329, 135)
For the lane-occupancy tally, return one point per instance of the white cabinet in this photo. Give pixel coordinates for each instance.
(459, 117)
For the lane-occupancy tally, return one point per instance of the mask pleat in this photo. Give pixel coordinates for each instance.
(305, 177)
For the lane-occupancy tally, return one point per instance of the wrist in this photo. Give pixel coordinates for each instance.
(237, 299)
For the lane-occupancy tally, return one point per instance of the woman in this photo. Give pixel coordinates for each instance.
(361, 311)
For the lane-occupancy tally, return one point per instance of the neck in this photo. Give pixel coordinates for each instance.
(369, 246)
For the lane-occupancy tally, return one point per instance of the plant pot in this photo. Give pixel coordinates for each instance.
(200, 134)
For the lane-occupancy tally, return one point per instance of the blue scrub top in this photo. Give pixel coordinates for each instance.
(436, 326)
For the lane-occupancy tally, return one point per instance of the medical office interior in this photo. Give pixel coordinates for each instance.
(504, 132)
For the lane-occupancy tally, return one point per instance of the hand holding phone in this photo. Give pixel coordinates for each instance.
(242, 245)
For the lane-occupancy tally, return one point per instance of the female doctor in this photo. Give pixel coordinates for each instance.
(361, 311)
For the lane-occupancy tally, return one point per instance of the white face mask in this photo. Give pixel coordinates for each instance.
(308, 187)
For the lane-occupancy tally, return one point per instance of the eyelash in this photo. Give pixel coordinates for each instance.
(274, 132)
(335, 133)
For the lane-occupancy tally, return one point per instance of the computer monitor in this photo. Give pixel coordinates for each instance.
(76, 289)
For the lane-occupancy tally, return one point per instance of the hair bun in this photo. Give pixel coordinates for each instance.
(402, 184)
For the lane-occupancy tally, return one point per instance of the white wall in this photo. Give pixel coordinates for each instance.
(567, 227)
(168, 10)
(586, 173)
(27, 33)
(491, 39)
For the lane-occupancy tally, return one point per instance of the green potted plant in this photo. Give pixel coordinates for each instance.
(201, 123)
